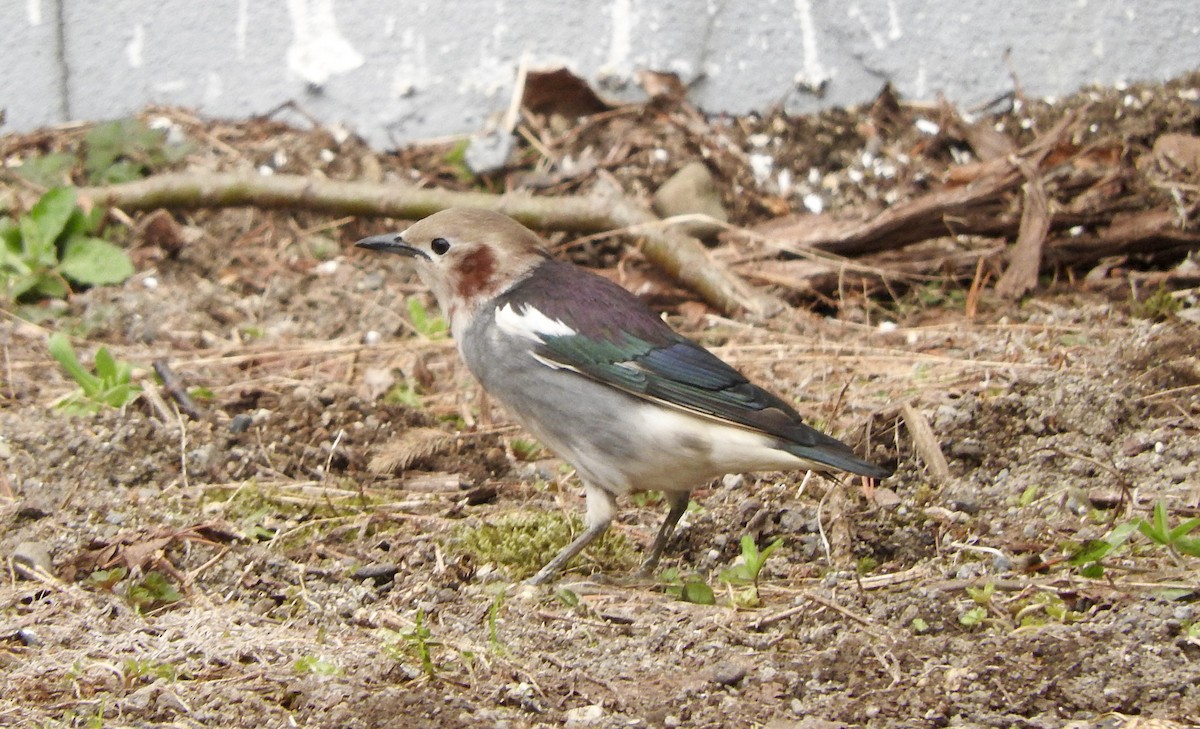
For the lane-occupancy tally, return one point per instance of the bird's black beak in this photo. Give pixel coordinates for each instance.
(390, 243)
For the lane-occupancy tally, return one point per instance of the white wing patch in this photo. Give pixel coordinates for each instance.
(529, 323)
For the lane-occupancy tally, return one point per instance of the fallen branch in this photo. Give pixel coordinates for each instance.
(681, 256)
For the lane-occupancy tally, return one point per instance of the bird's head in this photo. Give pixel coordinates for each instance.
(465, 256)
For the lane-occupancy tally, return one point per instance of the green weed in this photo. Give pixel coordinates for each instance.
(123, 150)
(690, 588)
(55, 242)
(521, 542)
(746, 570)
(151, 592)
(430, 327)
(110, 385)
(1175, 538)
(316, 665)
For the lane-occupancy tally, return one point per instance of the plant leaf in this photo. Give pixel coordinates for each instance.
(95, 262)
(106, 366)
(47, 170)
(60, 349)
(1183, 529)
(51, 213)
(697, 592)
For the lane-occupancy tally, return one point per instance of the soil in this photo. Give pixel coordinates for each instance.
(294, 556)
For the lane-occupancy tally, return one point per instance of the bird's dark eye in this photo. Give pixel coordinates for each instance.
(439, 246)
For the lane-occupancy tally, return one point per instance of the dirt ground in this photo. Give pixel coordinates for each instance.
(296, 578)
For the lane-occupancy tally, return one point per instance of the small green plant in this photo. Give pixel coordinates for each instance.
(1174, 538)
(1035, 611)
(151, 592)
(524, 449)
(107, 579)
(134, 669)
(1089, 555)
(456, 160)
(123, 150)
(419, 640)
(982, 597)
(746, 570)
(1159, 306)
(316, 665)
(430, 327)
(919, 626)
(691, 588)
(405, 394)
(53, 243)
(644, 499)
(521, 542)
(110, 385)
(973, 617)
(493, 614)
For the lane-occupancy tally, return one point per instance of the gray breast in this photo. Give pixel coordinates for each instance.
(584, 422)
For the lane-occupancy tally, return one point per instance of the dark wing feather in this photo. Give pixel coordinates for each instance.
(647, 358)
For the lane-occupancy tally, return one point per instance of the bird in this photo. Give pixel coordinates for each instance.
(598, 377)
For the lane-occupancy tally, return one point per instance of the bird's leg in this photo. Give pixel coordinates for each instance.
(678, 501)
(601, 506)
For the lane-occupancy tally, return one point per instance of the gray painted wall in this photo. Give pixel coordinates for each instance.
(402, 70)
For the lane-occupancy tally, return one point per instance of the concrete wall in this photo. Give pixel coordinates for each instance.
(401, 70)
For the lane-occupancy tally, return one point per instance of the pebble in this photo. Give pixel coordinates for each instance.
(380, 573)
(885, 498)
(966, 506)
(585, 715)
(729, 675)
(240, 423)
(35, 555)
(29, 638)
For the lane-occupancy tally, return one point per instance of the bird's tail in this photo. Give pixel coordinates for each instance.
(836, 455)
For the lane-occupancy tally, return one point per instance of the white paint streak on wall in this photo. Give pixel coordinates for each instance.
(812, 74)
(620, 45)
(413, 70)
(133, 49)
(241, 25)
(894, 32)
(856, 13)
(318, 50)
(213, 88)
(33, 9)
(921, 82)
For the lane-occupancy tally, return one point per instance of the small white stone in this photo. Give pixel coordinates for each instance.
(926, 126)
(372, 337)
(327, 267)
(761, 165)
(327, 155)
(1159, 446)
(785, 182)
(814, 203)
(887, 326)
(150, 282)
(661, 155)
(585, 715)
